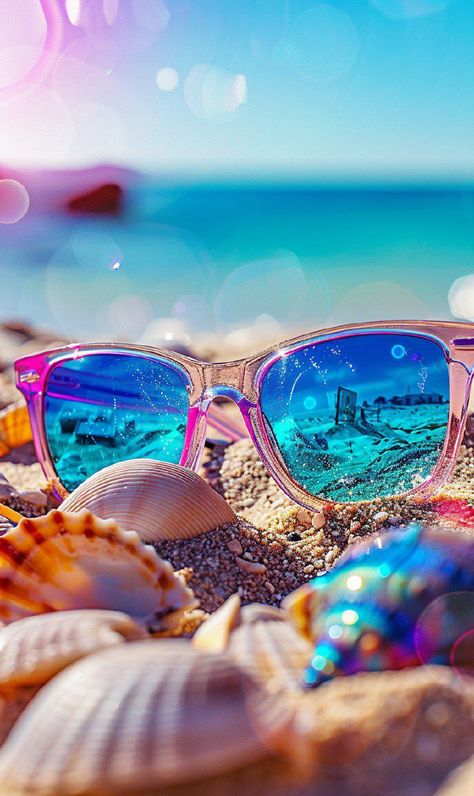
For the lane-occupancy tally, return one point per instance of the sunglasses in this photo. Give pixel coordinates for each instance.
(343, 415)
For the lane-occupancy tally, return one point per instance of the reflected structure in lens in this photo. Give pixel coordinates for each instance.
(359, 416)
(104, 408)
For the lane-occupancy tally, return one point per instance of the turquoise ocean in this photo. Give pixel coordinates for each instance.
(219, 257)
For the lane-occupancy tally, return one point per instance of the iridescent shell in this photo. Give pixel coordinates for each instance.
(34, 649)
(158, 500)
(65, 561)
(260, 639)
(139, 718)
(398, 600)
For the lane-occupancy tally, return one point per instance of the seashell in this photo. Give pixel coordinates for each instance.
(15, 429)
(213, 635)
(461, 782)
(157, 500)
(260, 639)
(34, 649)
(137, 719)
(400, 599)
(269, 648)
(64, 561)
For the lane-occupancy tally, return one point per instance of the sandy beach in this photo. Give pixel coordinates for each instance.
(398, 732)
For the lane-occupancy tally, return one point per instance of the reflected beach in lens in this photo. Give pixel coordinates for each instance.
(359, 416)
(106, 408)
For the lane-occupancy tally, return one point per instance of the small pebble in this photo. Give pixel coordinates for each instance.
(234, 546)
(319, 520)
(252, 567)
(380, 517)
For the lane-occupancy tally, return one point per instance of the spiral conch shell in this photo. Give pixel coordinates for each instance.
(34, 649)
(137, 719)
(143, 495)
(65, 561)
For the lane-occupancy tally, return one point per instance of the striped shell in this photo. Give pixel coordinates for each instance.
(34, 649)
(401, 599)
(65, 561)
(134, 720)
(158, 500)
(260, 639)
(15, 429)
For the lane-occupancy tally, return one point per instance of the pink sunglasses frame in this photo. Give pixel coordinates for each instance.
(240, 382)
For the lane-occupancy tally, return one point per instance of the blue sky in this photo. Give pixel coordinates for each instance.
(293, 88)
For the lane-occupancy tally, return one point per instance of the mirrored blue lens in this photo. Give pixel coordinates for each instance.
(359, 416)
(104, 408)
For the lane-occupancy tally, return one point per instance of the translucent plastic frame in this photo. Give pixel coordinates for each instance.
(240, 382)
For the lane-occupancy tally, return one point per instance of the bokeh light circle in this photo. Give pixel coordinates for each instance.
(444, 633)
(461, 297)
(23, 32)
(213, 93)
(404, 9)
(322, 44)
(274, 287)
(374, 300)
(14, 201)
(35, 127)
(167, 79)
(114, 27)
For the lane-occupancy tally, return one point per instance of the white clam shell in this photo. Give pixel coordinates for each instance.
(34, 649)
(65, 561)
(158, 500)
(260, 639)
(133, 720)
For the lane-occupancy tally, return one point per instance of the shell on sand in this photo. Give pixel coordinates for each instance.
(64, 561)
(260, 639)
(15, 429)
(158, 500)
(133, 720)
(269, 648)
(213, 635)
(34, 649)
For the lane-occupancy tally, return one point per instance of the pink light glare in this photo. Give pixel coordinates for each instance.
(14, 201)
(30, 37)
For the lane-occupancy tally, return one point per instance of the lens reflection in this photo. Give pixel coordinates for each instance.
(104, 408)
(359, 416)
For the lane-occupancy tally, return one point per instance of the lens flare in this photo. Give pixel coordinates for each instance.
(213, 93)
(322, 44)
(14, 201)
(167, 79)
(461, 297)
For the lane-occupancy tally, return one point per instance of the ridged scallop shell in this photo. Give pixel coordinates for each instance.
(64, 561)
(137, 719)
(15, 429)
(34, 649)
(158, 500)
(260, 639)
